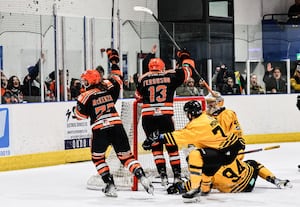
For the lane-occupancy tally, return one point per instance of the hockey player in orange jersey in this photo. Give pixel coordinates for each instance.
(98, 104)
(156, 90)
(213, 148)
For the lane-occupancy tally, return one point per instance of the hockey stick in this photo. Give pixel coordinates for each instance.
(260, 149)
(112, 25)
(144, 9)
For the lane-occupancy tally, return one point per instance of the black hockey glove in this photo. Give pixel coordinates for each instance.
(298, 102)
(152, 139)
(176, 188)
(147, 144)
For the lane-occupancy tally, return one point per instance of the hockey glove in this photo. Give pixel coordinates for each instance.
(112, 55)
(298, 102)
(116, 70)
(176, 188)
(183, 54)
(154, 138)
(147, 144)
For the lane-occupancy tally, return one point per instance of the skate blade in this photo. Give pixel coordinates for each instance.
(111, 194)
(150, 190)
(192, 200)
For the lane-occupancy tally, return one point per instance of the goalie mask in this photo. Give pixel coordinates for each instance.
(214, 102)
(192, 109)
(156, 64)
(90, 78)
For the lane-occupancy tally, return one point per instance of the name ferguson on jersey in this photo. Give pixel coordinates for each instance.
(156, 81)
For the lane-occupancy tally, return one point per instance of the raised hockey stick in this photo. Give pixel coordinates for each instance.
(260, 149)
(144, 9)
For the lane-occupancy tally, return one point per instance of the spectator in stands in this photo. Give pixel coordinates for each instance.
(273, 80)
(52, 85)
(75, 88)
(214, 77)
(4, 81)
(294, 13)
(230, 88)
(14, 90)
(255, 88)
(100, 69)
(295, 79)
(188, 89)
(31, 86)
(223, 75)
(239, 79)
(129, 88)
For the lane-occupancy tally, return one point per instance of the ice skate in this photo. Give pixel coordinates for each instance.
(164, 180)
(282, 183)
(192, 196)
(147, 185)
(110, 190)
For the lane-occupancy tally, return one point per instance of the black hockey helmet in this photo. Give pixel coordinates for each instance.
(192, 109)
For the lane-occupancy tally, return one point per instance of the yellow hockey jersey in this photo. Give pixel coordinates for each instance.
(234, 177)
(229, 121)
(202, 132)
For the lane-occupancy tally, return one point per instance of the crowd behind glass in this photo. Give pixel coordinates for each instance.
(225, 80)
(40, 82)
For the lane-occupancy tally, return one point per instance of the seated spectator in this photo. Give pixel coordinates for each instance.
(255, 88)
(4, 82)
(188, 89)
(75, 88)
(274, 81)
(14, 90)
(294, 13)
(230, 88)
(295, 79)
(52, 86)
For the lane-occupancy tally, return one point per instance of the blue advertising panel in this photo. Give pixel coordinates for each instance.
(4, 130)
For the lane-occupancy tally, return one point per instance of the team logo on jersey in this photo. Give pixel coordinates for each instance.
(4, 128)
(157, 111)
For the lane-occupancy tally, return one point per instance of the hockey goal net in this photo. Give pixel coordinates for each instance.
(131, 117)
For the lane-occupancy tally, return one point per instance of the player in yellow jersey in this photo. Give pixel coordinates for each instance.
(226, 117)
(238, 176)
(213, 148)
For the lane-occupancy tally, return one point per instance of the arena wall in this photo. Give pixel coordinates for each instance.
(43, 134)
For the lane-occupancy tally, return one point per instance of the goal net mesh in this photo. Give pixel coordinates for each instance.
(131, 111)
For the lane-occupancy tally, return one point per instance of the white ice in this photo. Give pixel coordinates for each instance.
(65, 185)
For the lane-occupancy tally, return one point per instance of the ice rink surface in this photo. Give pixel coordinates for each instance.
(65, 185)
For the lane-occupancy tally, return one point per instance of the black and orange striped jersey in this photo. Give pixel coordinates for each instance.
(229, 121)
(202, 132)
(98, 104)
(157, 90)
(234, 177)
